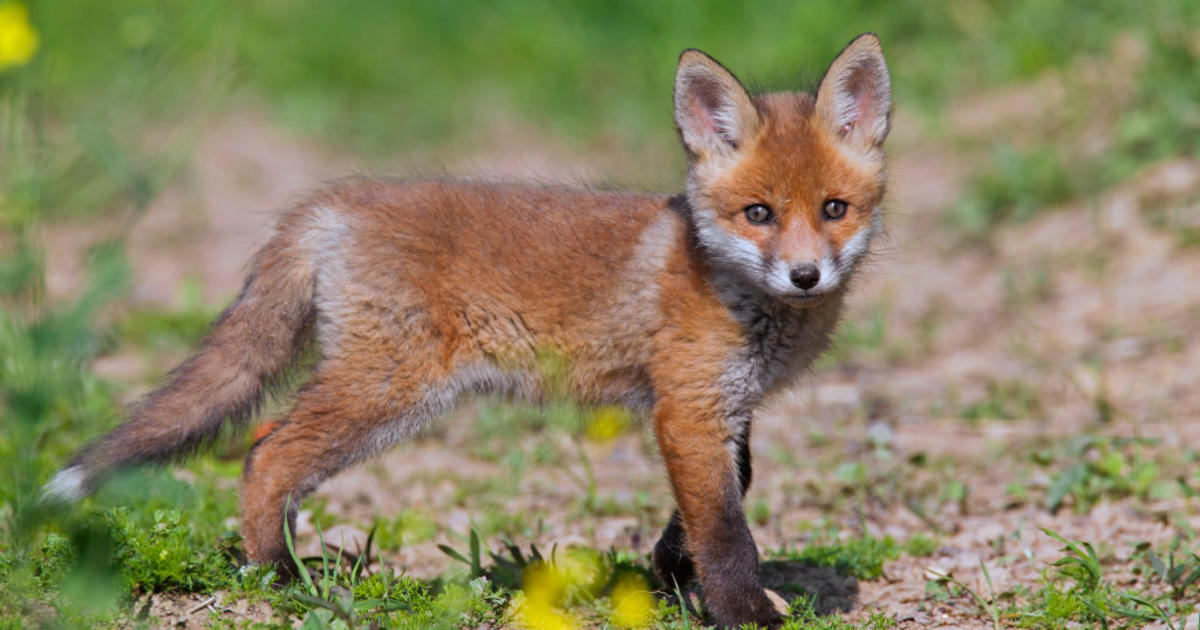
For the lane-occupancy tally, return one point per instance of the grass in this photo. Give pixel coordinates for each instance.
(1007, 400)
(862, 557)
(1074, 591)
(1091, 469)
(1154, 119)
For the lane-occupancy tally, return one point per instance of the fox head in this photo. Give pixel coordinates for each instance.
(784, 188)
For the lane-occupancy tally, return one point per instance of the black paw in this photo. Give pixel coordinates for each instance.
(672, 564)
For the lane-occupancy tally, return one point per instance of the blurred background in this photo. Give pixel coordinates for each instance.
(1018, 356)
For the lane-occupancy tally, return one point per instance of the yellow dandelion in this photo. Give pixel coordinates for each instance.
(632, 604)
(548, 587)
(539, 615)
(607, 423)
(542, 583)
(18, 38)
(580, 568)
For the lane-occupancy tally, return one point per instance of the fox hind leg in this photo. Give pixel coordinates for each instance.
(335, 423)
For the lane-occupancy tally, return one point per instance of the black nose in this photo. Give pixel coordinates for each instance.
(806, 276)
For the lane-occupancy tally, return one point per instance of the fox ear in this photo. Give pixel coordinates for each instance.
(855, 95)
(713, 111)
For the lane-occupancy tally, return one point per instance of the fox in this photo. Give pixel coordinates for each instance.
(690, 309)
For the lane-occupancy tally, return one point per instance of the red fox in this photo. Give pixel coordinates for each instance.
(691, 308)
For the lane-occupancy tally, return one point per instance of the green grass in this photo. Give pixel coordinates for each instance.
(1006, 400)
(862, 557)
(362, 72)
(1155, 118)
(1074, 591)
(1108, 468)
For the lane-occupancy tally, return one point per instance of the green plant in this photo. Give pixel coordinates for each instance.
(862, 557)
(802, 614)
(988, 605)
(1180, 571)
(1103, 468)
(920, 546)
(1009, 400)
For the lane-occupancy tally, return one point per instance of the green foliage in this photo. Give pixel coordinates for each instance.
(152, 328)
(1159, 119)
(1106, 468)
(802, 615)
(45, 396)
(920, 546)
(406, 528)
(862, 557)
(1008, 400)
(945, 585)
(165, 553)
(1179, 571)
(1076, 592)
(1015, 185)
(340, 591)
(332, 70)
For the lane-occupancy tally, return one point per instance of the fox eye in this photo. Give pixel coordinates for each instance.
(758, 213)
(834, 209)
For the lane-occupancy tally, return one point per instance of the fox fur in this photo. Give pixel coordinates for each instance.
(690, 308)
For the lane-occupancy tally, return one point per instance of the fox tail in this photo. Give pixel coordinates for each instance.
(224, 382)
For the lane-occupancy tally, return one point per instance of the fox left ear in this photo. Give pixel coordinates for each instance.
(714, 113)
(855, 95)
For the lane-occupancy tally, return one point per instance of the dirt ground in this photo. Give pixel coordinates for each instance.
(1089, 302)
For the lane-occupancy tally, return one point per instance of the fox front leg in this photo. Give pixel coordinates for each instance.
(707, 484)
(672, 562)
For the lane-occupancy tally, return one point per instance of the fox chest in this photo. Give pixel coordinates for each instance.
(779, 345)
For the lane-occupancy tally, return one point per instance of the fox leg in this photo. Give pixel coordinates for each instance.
(694, 436)
(672, 562)
(334, 424)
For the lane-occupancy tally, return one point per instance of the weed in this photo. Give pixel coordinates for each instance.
(1008, 400)
(406, 528)
(1180, 571)
(1074, 590)
(920, 546)
(1107, 468)
(344, 593)
(802, 613)
(988, 605)
(862, 557)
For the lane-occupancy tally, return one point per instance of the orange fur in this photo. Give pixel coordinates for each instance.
(419, 293)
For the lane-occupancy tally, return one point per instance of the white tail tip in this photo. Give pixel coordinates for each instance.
(66, 486)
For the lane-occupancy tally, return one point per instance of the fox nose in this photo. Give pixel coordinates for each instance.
(806, 276)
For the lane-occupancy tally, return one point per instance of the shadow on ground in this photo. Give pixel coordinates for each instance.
(832, 591)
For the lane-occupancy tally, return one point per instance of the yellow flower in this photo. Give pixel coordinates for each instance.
(632, 604)
(544, 584)
(536, 614)
(18, 38)
(608, 423)
(580, 568)
(548, 588)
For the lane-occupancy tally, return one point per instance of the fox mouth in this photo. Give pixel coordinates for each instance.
(804, 299)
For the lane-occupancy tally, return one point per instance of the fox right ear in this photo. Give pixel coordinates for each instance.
(855, 95)
(713, 111)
